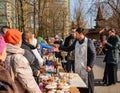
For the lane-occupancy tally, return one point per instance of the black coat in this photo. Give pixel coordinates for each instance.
(31, 57)
(68, 41)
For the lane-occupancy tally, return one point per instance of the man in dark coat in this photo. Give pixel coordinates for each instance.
(111, 58)
(71, 54)
(27, 45)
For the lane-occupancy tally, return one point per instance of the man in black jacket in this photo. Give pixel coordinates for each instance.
(71, 54)
(27, 45)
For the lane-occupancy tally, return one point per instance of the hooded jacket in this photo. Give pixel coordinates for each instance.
(23, 75)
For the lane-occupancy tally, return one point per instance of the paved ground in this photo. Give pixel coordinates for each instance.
(98, 72)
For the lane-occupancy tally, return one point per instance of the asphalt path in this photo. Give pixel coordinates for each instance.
(98, 73)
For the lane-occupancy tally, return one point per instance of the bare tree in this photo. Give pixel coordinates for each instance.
(22, 17)
(111, 12)
(41, 10)
(24, 11)
(115, 5)
(47, 17)
(51, 18)
(79, 14)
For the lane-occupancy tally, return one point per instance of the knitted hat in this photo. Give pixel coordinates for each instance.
(40, 39)
(13, 36)
(2, 44)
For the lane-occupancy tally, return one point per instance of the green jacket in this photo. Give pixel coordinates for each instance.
(112, 50)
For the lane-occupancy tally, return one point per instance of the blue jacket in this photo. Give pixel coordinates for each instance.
(43, 45)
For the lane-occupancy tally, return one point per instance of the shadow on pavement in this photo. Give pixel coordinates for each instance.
(118, 81)
(98, 82)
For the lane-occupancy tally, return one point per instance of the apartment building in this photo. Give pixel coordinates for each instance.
(7, 13)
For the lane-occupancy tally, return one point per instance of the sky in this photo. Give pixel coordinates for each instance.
(86, 4)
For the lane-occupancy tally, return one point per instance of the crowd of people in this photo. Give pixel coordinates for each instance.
(22, 58)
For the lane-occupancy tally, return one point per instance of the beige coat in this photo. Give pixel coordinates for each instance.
(23, 74)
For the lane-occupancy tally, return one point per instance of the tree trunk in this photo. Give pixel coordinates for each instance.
(22, 16)
(39, 18)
